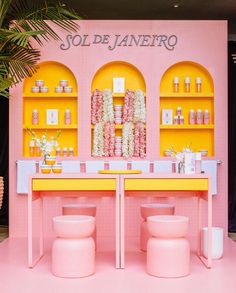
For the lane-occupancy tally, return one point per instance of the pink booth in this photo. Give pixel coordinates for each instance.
(172, 69)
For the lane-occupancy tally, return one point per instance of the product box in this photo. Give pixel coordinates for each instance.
(167, 116)
(189, 162)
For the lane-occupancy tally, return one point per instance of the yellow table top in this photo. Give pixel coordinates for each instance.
(119, 171)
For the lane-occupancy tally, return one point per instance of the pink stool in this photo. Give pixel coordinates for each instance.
(73, 251)
(152, 209)
(168, 252)
(81, 209)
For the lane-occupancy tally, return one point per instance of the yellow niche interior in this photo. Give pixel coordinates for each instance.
(51, 73)
(199, 137)
(103, 79)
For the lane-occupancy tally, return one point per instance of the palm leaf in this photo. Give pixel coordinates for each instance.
(21, 22)
(4, 8)
(35, 18)
(21, 62)
(18, 38)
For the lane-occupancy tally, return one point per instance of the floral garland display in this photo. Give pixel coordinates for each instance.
(134, 118)
(128, 109)
(139, 129)
(139, 107)
(108, 113)
(97, 107)
(109, 139)
(128, 140)
(139, 140)
(102, 116)
(98, 141)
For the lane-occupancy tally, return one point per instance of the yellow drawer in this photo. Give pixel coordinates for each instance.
(73, 184)
(166, 184)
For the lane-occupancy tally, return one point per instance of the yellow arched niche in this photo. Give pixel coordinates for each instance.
(199, 137)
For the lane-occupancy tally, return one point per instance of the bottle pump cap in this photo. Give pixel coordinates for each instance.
(198, 80)
(176, 79)
(187, 79)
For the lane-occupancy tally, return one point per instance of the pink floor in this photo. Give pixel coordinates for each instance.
(16, 277)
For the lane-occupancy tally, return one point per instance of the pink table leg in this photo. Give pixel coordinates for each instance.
(118, 223)
(122, 222)
(208, 261)
(31, 262)
(199, 208)
(30, 237)
(209, 200)
(41, 228)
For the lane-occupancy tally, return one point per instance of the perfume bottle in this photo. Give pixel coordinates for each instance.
(67, 117)
(199, 116)
(71, 152)
(198, 84)
(58, 152)
(179, 111)
(191, 116)
(198, 162)
(187, 84)
(206, 117)
(64, 152)
(176, 84)
(31, 148)
(35, 117)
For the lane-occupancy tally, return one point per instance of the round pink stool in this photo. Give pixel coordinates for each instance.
(81, 209)
(152, 209)
(73, 251)
(168, 252)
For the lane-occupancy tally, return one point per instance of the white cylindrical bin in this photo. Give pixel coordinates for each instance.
(217, 242)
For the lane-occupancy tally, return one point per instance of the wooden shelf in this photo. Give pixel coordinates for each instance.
(187, 127)
(50, 95)
(186, 95)
(71, 126)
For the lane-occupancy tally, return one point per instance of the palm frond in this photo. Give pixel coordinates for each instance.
(5, 81)
(35, 18)
(18, 38)
(4, 8)
(21, 62)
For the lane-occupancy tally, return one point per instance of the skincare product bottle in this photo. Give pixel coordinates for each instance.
(198, 84)
(179, 111)
(64, 152)
(191, 117)
(35, 117)
(206, 117)
(31, 148)
(71, 152)
(176, 84)
(187, 84)
(199, 116)
(67, 117)
(198, 162)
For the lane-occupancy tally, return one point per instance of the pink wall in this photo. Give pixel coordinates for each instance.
(203, 42)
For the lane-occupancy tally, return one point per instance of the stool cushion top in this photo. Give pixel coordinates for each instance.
(74, 226)
(153, 209)
(79, 205)
(79, 209)
(168, 226)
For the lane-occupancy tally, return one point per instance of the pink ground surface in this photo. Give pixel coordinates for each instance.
(16, 277)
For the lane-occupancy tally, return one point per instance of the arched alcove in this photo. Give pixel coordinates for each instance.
(51, 73)
(197, 136)
(103, 79)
